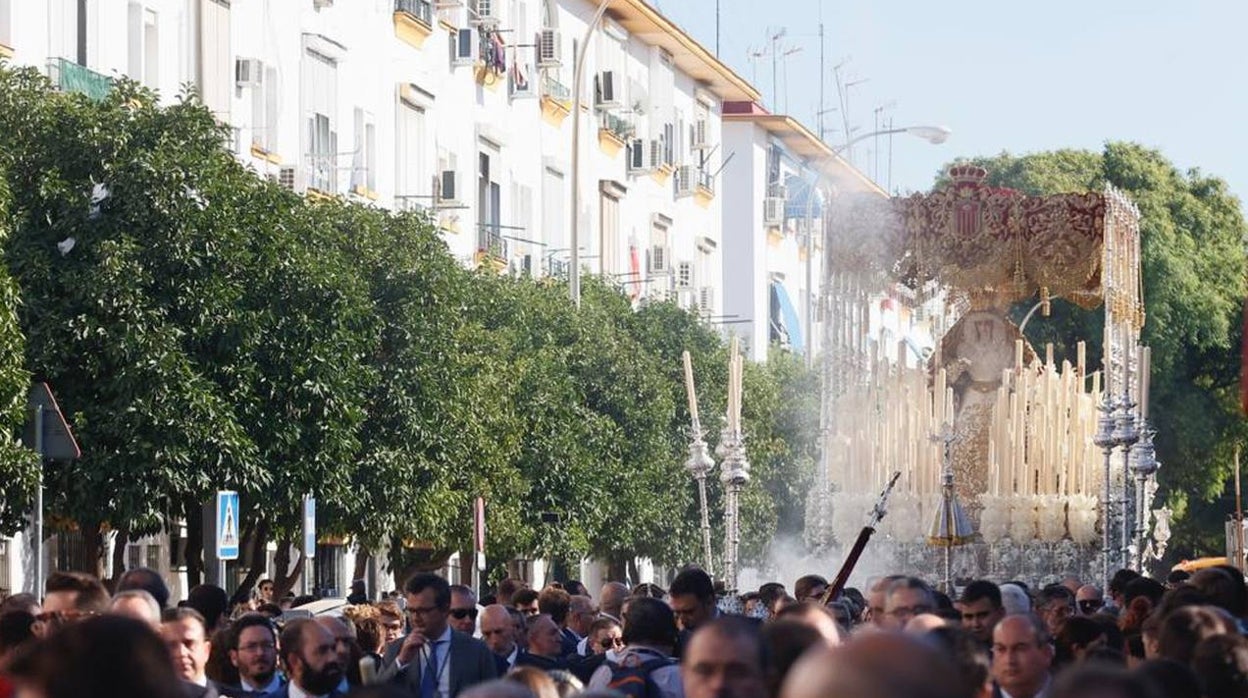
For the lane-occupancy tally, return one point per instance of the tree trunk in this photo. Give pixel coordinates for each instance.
(362, 556)
(282, 582)
(93, 542)
(194, 544)
(257, 544)
(119, 558)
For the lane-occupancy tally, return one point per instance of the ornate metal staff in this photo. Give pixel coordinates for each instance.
(847, 567)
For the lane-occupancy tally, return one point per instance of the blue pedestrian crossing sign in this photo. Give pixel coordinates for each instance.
(227, 525)
(309, 526)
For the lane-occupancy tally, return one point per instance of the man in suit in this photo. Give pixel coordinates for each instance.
(253, 652)
(433, 660)
(498, 630)
(310, 654)
(1022, 653)
(557, 604)
(187, 641)
(581, 615)
(545, 649)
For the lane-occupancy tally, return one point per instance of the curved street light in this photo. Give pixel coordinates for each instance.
(932, 134)
(574, 272)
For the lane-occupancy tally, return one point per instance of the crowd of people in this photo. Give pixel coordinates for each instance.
(900, 639)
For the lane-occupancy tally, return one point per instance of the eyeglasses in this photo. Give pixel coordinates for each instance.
(1090, 605)
(422, 610)
(462, 613)
(611, 642)
(257, 647)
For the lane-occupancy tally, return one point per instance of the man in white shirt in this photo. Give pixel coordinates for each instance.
(310, 654)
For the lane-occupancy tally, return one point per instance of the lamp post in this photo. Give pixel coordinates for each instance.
(574, 274)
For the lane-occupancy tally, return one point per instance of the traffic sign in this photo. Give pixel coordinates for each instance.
(227, 525)
(58, 441)
(309, 526)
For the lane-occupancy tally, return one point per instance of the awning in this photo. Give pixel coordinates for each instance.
(800, 189)
(786, 324)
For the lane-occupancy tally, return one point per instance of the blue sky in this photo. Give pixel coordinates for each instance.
(1006, 75)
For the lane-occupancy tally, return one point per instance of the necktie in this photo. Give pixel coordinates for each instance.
(429, 677)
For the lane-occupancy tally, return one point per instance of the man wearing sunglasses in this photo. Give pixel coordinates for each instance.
(463, 609)
(1088, 600)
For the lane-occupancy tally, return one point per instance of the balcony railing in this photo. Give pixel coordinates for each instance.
(491, 242)
(420, 9)
(706, 181)
(554, 89)
(622, 128)
(68, 76)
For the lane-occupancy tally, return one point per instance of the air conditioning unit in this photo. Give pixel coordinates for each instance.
(706, 299)
(608, 93)
(463, 47)
(638, 155)
(448, 186)
(549, 49)
(248, 72)
(684, 275)
(773, 211)
(659, 260)
(656, 153)
(686, 180)
(286, 178)
(483, 13)
(702, 135)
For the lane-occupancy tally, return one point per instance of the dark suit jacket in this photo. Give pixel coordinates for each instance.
(539, 662)
(194, 690)
(568, 643)
(284, 692)
(470, 663)
(583, 668)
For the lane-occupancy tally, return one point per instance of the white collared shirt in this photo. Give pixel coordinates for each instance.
(441, 663)
(274, 685)
(511, 658)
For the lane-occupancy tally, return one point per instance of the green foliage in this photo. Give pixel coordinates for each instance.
(212, 330)
(1194, 284)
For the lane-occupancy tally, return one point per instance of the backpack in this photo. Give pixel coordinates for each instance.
(634, 680)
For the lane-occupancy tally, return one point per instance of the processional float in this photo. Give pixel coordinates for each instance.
(924, 372)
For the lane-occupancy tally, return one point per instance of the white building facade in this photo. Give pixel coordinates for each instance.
(464, 109)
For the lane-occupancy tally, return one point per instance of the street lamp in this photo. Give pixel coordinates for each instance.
(574, 274)
(932, 134)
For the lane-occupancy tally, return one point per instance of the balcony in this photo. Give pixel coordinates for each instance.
(413, 21)
(613, 133)
(491, 247)
(704, 193)
(68, 76)
(556, 101)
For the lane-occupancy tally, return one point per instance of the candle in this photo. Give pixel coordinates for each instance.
(1146, 379)
(693, 395)
(1018, 353)
(1081, 360)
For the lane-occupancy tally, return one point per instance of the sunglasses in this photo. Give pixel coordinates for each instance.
(462, 613)
(611, 642)
(1090, 605)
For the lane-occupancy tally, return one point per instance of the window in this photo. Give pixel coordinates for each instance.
(554, 221)
(489, 201)
(264, 110)
(609, 234)
(320, 95)
(144, 46)
(364, 160)
(216, 62)
(411, 179)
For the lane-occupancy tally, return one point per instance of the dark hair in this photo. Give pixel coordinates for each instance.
(1078, 631)
(92, 596)
(981, 589)
(291, 641)
(767, 593)
(785, 641)
(1178, 576)
(249, 620)
(649, 622)
(524, 597)
(967, 654)
(1225, 587)
(576, 588)
(1182, 630)
(911, 583)
(100, 657)
(145, 579)
(1053, 593)
(1113, 635)
(1108, 656)
(693, 581)
(211, 601)
(1180, 596)
(509, 586)
(602, 624)
(173, 615)
(20, 602)
(1143, 586)
(1169, 677)
(16, 629)
(441, 588)
(1102, 680)
(1221, 663)
(653, 591)
(1119, 581)
(803, 586)
(555, 603)
(219, 668)
(736, 627)
(463, 591)
(270, 609)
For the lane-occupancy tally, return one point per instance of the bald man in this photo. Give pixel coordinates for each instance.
(611, 600)
(1022, 654)
(498, 630)
(876, 665)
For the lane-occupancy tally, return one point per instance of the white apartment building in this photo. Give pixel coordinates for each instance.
(464, 109)
(775, 189)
